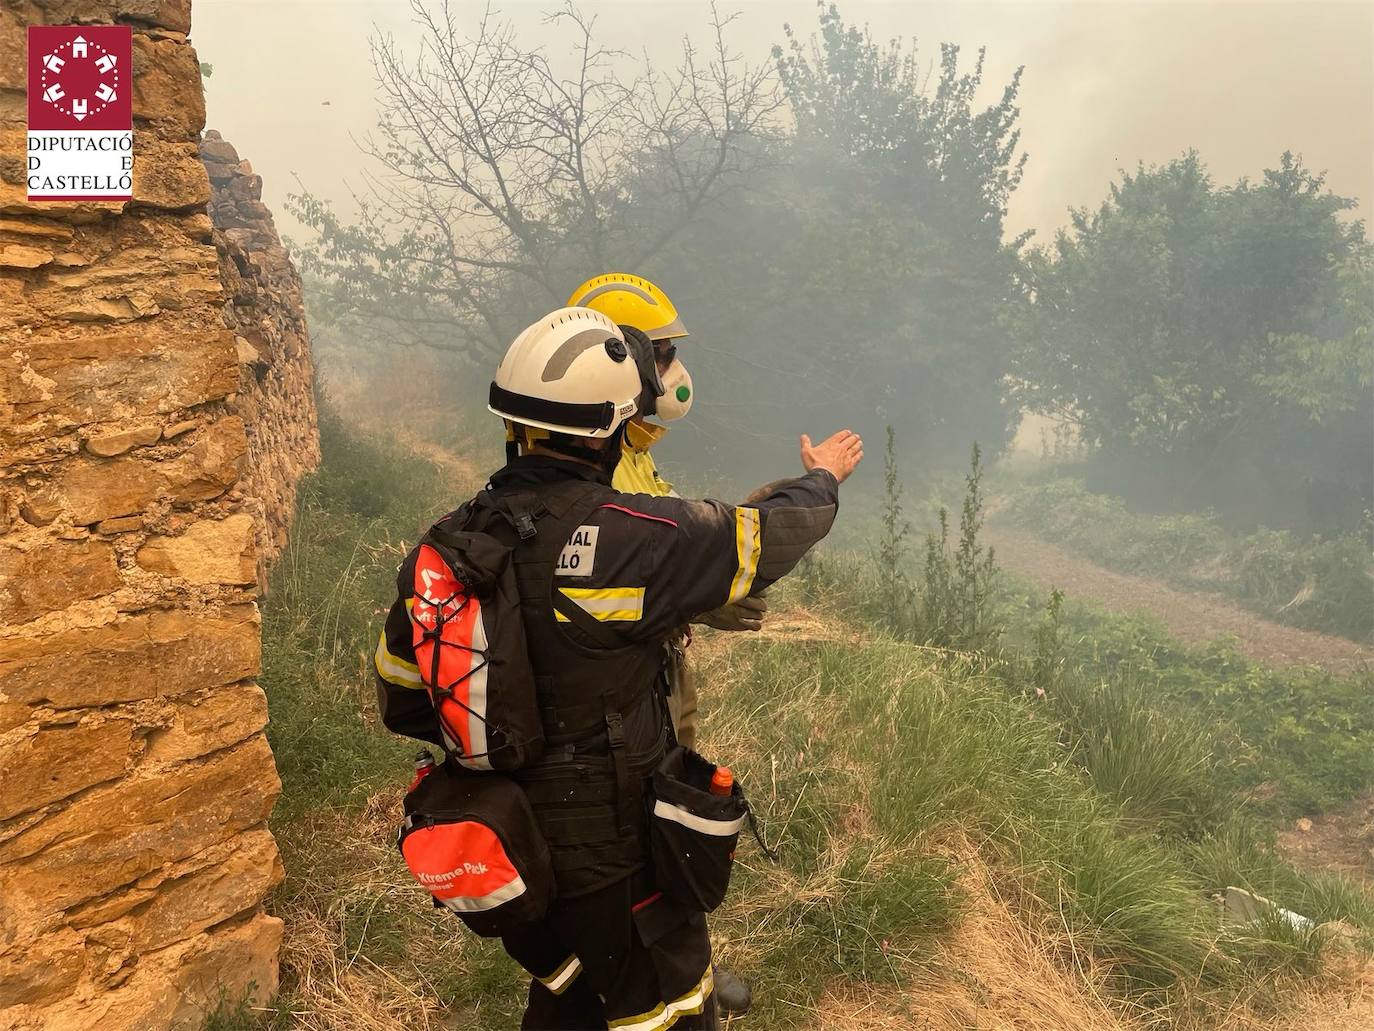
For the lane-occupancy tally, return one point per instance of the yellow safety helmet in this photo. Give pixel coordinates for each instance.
(631, 301)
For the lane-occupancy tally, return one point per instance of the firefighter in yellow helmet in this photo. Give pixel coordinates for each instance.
(652, 327)
(652, 321)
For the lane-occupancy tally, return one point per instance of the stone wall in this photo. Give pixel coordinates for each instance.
(135, 780)
(266, 311)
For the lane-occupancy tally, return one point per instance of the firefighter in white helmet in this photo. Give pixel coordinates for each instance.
(618, 947)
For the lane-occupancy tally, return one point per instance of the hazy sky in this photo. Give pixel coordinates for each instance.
(1107, 83)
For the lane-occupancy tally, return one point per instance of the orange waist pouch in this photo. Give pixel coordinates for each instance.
(471, 841)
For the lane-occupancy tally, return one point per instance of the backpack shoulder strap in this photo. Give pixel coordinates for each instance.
(555, 515)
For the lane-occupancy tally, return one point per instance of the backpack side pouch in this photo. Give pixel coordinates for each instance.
(693, 832)
(471, 841)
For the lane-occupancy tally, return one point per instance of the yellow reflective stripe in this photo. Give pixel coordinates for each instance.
(394, 669)
(746, 551)
(558, 981)
(606, 604)
(665, 1015)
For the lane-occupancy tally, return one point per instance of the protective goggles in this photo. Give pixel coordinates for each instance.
(665, 351)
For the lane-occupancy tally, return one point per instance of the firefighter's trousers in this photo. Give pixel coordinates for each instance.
(646, 957)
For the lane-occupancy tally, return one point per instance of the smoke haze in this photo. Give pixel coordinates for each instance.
(1107, 84)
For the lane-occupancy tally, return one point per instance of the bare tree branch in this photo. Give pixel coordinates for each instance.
(500, 175)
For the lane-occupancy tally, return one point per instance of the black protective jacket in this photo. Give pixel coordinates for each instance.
(639, 567)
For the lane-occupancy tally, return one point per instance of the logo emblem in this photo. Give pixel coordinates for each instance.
(80, 78)
(80, 107)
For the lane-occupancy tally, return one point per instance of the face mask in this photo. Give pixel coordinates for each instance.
(677, 393)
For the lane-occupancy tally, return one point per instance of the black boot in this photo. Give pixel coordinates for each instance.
(732, 995)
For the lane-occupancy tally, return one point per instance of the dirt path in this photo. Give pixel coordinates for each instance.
(1191, 616)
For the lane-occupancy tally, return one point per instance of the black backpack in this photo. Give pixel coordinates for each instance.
(468, 633)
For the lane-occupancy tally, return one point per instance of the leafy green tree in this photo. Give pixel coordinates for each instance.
(862, 276)
(1328, 377)
(1312, 425)
(933, 149)
(1176, 327)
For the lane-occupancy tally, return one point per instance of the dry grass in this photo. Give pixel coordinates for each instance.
(1342, 999)
(997, 971)
(991, 970)
(335, 984)
(333, 987)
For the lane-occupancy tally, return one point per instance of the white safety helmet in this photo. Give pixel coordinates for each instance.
(570, 372)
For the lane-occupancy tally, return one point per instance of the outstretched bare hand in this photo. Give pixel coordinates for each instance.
(840, 454)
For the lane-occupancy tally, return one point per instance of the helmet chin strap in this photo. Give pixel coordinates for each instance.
(605, 459)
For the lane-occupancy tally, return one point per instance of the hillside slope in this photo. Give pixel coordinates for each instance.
(950, 859)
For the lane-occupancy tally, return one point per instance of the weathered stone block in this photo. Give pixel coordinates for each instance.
(169, 175)
(60, 761)
(214, 147)
(163, 69)
(209, 552)
(178, 428)
(120, 524)
(218, 171)
(93, 489)
(248, 354)
(209, 892)
(13, 714)
(52, 577)
(114, 835)
(107, 445)
(52, 384)
(158, 654)
(174, 987)
(41, 972)
(162, 907)
(164, 14)
(13, 40)
(35, 231)
(39, 509)
(222, 718)
(18, 256)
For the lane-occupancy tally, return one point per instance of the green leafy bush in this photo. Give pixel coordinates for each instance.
(1303, 735)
